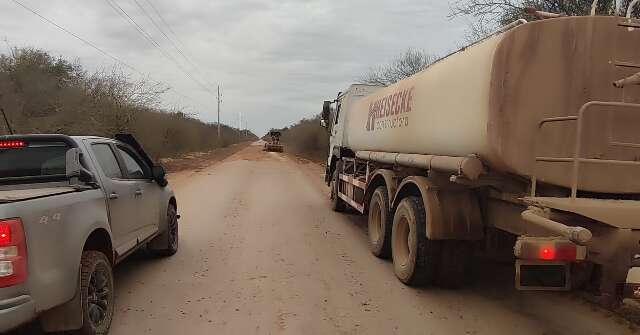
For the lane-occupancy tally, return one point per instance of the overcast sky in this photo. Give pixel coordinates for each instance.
(275, 60)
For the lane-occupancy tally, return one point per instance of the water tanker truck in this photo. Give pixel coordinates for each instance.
(527, 141)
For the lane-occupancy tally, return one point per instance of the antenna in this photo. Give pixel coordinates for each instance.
(6, 121)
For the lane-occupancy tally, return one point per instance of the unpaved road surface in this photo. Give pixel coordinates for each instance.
(262, 253)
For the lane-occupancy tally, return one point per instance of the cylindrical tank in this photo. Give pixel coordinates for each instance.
(489, 98)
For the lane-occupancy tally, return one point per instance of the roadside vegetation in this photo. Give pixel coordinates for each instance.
(307, 139)
(41, 93)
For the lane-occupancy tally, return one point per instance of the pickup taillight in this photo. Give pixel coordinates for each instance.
(13, 253)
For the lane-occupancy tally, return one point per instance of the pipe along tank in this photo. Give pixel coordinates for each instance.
(489, 98)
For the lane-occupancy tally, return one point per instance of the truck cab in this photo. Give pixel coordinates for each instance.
(334, 119)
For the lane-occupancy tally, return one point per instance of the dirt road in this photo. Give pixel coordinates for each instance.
(262, 253)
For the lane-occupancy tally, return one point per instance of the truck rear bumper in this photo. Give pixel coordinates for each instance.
(15, 312)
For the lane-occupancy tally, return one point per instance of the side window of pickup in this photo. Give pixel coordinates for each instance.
(107, 160)
(135, 168)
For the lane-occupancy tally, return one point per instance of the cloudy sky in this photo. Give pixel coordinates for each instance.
(276, 60)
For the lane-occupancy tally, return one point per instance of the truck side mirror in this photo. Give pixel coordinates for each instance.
(159, 175)
(74, 169)
(326, 111)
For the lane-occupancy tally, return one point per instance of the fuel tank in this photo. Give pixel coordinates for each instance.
(489, 100)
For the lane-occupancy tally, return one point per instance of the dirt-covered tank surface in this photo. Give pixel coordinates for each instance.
(489, 99)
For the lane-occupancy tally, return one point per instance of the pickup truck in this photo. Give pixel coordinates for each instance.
(71, 208)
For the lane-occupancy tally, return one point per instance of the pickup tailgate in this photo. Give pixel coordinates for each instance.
(56, 223)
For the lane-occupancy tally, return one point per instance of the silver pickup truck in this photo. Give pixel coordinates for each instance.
(72, 207)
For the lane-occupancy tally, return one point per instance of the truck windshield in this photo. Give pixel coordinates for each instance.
(33, 161)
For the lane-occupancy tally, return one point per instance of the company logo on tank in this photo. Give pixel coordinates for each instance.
(389, 111)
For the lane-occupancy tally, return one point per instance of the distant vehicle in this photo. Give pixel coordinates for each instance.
(517, 143)
(70, 209)
(273, 144)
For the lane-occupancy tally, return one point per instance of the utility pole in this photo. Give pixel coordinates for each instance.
(219, 100)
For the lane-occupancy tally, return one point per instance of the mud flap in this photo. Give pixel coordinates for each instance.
(542, 275)
(64, 317)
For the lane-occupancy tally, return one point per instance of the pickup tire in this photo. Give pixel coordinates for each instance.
(337, 204)
(96, 293)
(415, 257)
(379, 223)
(168, 240)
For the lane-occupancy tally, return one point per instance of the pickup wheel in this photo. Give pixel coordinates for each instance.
(380, 223)
(415, 257)
(170, 237)
(337, 204)
(96, 293)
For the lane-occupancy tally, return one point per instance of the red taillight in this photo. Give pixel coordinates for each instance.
(547, 253)
(11, 144)
(13, 253)
(5, 235)
(548, 249)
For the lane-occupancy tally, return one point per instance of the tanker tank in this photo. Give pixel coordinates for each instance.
(489, 100)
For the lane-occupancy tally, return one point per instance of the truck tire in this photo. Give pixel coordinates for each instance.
(337, 204)
(379, 223)
(415, 257)
(168, 240)
(454, 263)
(96, 293)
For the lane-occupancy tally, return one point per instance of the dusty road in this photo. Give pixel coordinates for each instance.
(262, 253)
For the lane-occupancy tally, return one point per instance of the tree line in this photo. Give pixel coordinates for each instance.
(41, 93)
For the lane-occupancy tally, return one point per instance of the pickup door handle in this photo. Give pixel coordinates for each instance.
(113, 196)
(138, 193)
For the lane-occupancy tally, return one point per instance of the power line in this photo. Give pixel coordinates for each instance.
(155, 9)
(78, 37)
(146, 13)
(153, 42)
(95, 47)
(167, 37)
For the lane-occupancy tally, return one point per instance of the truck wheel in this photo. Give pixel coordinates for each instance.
(380, 223)
(415, 258)
(337, 204)
(96, 293)
(454, 263)
(168, 241)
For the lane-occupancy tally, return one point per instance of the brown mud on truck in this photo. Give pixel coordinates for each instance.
(527, 141)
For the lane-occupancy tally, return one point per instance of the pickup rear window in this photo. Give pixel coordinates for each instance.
(33, 160)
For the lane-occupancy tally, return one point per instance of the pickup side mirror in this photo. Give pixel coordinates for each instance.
(74, 169)
(159, 175)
